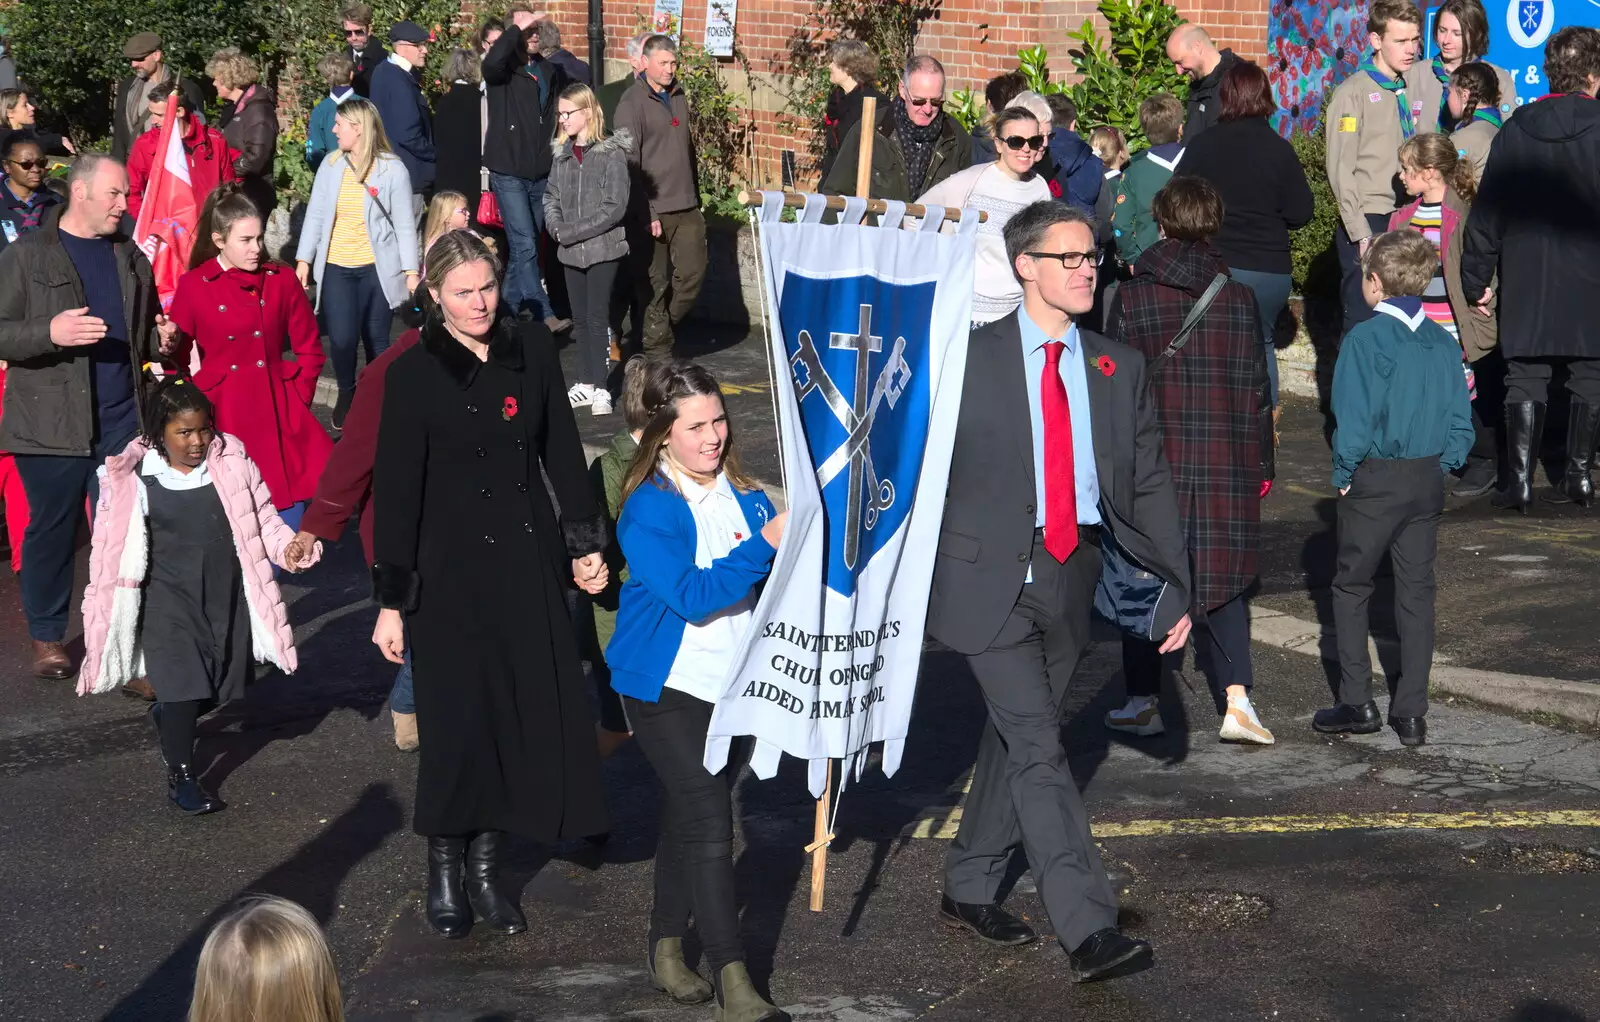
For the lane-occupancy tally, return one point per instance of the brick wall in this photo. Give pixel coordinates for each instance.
(974, 39)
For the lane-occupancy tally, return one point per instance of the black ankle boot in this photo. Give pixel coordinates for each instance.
(498, 912)
(448, 910)
(184, 789)
(1583, 434)
(1524, 427)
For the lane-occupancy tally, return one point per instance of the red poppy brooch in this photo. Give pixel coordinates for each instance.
(372, 190)
(1055, 189)
(1105, 365)
(508, 410)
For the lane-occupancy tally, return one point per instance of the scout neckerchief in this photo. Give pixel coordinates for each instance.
(1397, 86)
(1489, 114)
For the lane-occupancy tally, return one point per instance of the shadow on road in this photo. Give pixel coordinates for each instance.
(311, 877)
(1544, 1012)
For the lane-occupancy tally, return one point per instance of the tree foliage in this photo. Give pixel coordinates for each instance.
(1118, 74)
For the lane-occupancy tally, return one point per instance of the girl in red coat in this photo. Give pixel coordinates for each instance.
(238, 308)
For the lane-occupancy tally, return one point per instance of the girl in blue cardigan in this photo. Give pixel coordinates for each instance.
(699, 537)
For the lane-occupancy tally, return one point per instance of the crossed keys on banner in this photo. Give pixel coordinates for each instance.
(856, 417)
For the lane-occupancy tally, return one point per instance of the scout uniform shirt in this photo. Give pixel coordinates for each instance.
(1364, 139)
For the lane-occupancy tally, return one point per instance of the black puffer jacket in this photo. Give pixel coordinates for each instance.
(1537, 218)
(522, 92)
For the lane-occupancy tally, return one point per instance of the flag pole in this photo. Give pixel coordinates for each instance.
(821, 834)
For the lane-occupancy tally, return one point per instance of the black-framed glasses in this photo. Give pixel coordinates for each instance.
(1018, 142)
(920, 101)
(1069, 260)
(562, 115)
(30, 164)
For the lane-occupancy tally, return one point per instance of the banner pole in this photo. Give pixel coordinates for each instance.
(820, 832)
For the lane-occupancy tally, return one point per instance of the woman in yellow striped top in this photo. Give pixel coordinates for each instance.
(360, 241)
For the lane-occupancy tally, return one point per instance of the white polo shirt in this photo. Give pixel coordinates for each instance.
(701, 666)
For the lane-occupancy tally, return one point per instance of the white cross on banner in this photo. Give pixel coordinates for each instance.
(868, 328)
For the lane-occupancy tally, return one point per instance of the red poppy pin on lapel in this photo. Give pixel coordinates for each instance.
(674, 122)
(1105, 365)
(372, 190)
(508, 410)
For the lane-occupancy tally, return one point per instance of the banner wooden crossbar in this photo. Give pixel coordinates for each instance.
(875, 207)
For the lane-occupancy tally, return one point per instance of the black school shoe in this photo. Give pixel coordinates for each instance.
(990, 922)
(1343, 719)
(1107, 954)
(1412, 730)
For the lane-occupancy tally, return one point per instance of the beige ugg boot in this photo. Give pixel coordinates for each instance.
(405, 731)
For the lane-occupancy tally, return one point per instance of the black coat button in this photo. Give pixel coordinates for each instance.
(473, 409)
(487, 493)
(519, 445)
(1031, 509)
(1021, 558)
(522, 487)
(489, 540)
(482, 453)
(528, 526)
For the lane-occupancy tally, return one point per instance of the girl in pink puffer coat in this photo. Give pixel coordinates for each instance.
(180, 576)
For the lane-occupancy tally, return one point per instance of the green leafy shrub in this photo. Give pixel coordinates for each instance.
(1120, 73)
(966, 106)
(1316, 265)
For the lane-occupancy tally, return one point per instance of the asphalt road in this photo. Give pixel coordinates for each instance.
(1317, 879)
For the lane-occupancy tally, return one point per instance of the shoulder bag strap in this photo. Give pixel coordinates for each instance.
(1190, 321)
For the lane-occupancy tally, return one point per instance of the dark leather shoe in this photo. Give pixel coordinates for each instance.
(184, 789)
(1109, 953)
(50, 661)
(494, 909)
(990, 922)
(1412, 730)
(1343, 719)
(448, 910)
(139, 688)
(1479, 478)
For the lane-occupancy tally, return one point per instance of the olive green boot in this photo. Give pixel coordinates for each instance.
(737, 1000)
(672, 975)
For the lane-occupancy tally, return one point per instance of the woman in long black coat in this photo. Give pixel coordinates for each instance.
(466, 543)
(458, 130)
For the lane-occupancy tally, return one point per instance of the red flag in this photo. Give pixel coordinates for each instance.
(167, 220)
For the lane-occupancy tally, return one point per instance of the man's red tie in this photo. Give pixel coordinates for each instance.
(1060, 486)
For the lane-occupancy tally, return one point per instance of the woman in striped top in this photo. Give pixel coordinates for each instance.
(360, 240)
(1443, 184)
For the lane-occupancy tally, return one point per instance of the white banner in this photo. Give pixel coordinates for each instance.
(868, 329)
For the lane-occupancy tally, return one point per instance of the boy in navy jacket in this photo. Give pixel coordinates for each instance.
(1404, 421)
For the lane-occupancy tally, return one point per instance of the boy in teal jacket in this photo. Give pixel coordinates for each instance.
(339, 72)
(1132, 225)
(1403, 422)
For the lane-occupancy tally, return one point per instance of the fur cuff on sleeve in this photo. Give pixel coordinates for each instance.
(394, 587)
(584, 536)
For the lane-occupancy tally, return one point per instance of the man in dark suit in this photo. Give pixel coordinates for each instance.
(1056, 442)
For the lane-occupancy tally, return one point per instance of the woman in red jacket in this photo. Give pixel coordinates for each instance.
(238, 308)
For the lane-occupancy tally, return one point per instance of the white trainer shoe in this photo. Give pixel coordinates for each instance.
(580, 394)
(1140, 717)
(600, 403)
(1240, 724)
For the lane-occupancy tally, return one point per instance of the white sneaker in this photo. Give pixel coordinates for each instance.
(1240, 724)
(1140, 717)
(600, 404)
(580, 394)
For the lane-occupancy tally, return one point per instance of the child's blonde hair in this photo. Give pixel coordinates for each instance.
(266, 959)
(1111, 145)
(582, 97)
(440, 209)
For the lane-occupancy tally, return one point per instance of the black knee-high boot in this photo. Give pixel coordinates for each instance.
(497, 912)
(1583, 435)
(175, 723)
(448, 911)
(1524, 427)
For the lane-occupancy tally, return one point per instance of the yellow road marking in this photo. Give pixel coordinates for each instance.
(942, 826)
(744, 388)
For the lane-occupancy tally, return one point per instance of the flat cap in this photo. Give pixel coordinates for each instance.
(141, 46)
(407, 32)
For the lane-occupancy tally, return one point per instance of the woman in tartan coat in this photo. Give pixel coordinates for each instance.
(1215, 408)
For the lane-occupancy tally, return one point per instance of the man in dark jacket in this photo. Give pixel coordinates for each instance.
(1192, 52)
(522, 88)
(550, 49)
(918, 144)
(1537, 219)
(131, 117)
(656, 111)
(397, 93)
(79, 315)
(364, 49)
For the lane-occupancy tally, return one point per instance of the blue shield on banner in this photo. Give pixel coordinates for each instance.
(858, 350)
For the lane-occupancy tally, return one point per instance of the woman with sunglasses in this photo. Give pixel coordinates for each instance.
(999, 189)
(23, 196)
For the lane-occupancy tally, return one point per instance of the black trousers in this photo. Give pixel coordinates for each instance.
(1224, 656)
(1355, 307)
(1394, 507)
(590, 289)
(1488, 408)
(1528, 379)
(1022, 789)
(694, 858)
